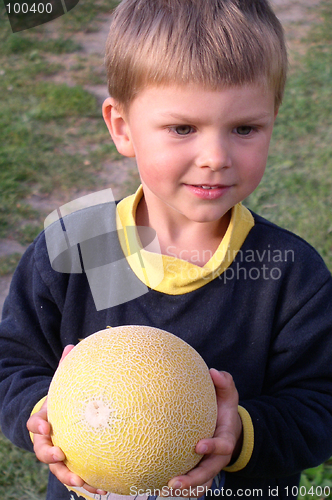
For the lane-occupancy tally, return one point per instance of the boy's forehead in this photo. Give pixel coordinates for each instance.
(174, 99)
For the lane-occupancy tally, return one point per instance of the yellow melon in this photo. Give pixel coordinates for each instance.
(127, 407)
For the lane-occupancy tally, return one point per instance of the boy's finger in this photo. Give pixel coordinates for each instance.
(191, 492)
(223, 381)
(45, 451)
(225, 386)
(200, 490)
(61, 471)
(66, 351)
(65, 476)
(219, 445)
(204, 473)
(38, 424)
(94, 490)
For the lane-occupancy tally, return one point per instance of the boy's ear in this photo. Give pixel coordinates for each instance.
(116, 122)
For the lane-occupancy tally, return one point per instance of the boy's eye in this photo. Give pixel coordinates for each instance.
(244, 130)
(183, 129)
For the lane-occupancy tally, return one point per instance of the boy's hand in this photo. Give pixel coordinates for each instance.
(225, 445)
(45, 451)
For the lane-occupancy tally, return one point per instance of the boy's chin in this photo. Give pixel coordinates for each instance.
(207, 218)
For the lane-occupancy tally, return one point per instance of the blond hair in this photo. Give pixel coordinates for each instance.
(214, 43)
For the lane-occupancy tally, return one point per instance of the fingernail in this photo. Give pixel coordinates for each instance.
(73, 482)
(57, 454)
(76, 481)
(176, 485)
(101, 492)
(202, 449)
(40, 430)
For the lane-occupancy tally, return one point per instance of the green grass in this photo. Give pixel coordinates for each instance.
(22, 477)
(296, 191)
(8, 263)
(52, 138)
(52, 134)
(316, 483)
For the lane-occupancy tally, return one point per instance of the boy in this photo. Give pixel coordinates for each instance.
(195, 88)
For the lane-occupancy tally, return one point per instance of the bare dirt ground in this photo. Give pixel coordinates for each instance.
(296, 16)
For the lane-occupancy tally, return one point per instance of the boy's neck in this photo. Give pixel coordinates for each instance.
(194, 242)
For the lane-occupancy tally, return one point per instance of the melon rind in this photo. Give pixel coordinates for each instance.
(157, 400)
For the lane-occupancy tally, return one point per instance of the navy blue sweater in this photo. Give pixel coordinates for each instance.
(267, 321)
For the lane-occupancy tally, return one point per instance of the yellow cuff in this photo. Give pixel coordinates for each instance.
(35, 409)
(248, 442)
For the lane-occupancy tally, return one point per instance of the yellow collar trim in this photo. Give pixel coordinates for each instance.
(172, 275)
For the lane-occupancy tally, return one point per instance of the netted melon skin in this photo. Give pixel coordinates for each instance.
(128, 406)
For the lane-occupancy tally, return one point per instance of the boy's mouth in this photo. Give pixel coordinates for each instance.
(208, 186)
(208, 191)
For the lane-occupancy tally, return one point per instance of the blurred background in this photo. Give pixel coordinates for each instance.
(55, 147)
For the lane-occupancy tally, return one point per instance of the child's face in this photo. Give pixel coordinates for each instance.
(200, 152)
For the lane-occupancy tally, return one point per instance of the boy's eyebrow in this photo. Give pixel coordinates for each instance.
(188, 118)
(179, 117)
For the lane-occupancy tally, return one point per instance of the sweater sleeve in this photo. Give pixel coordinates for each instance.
(292, 418)
(29, 347)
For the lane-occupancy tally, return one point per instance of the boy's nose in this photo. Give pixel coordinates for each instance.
(214, 155)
